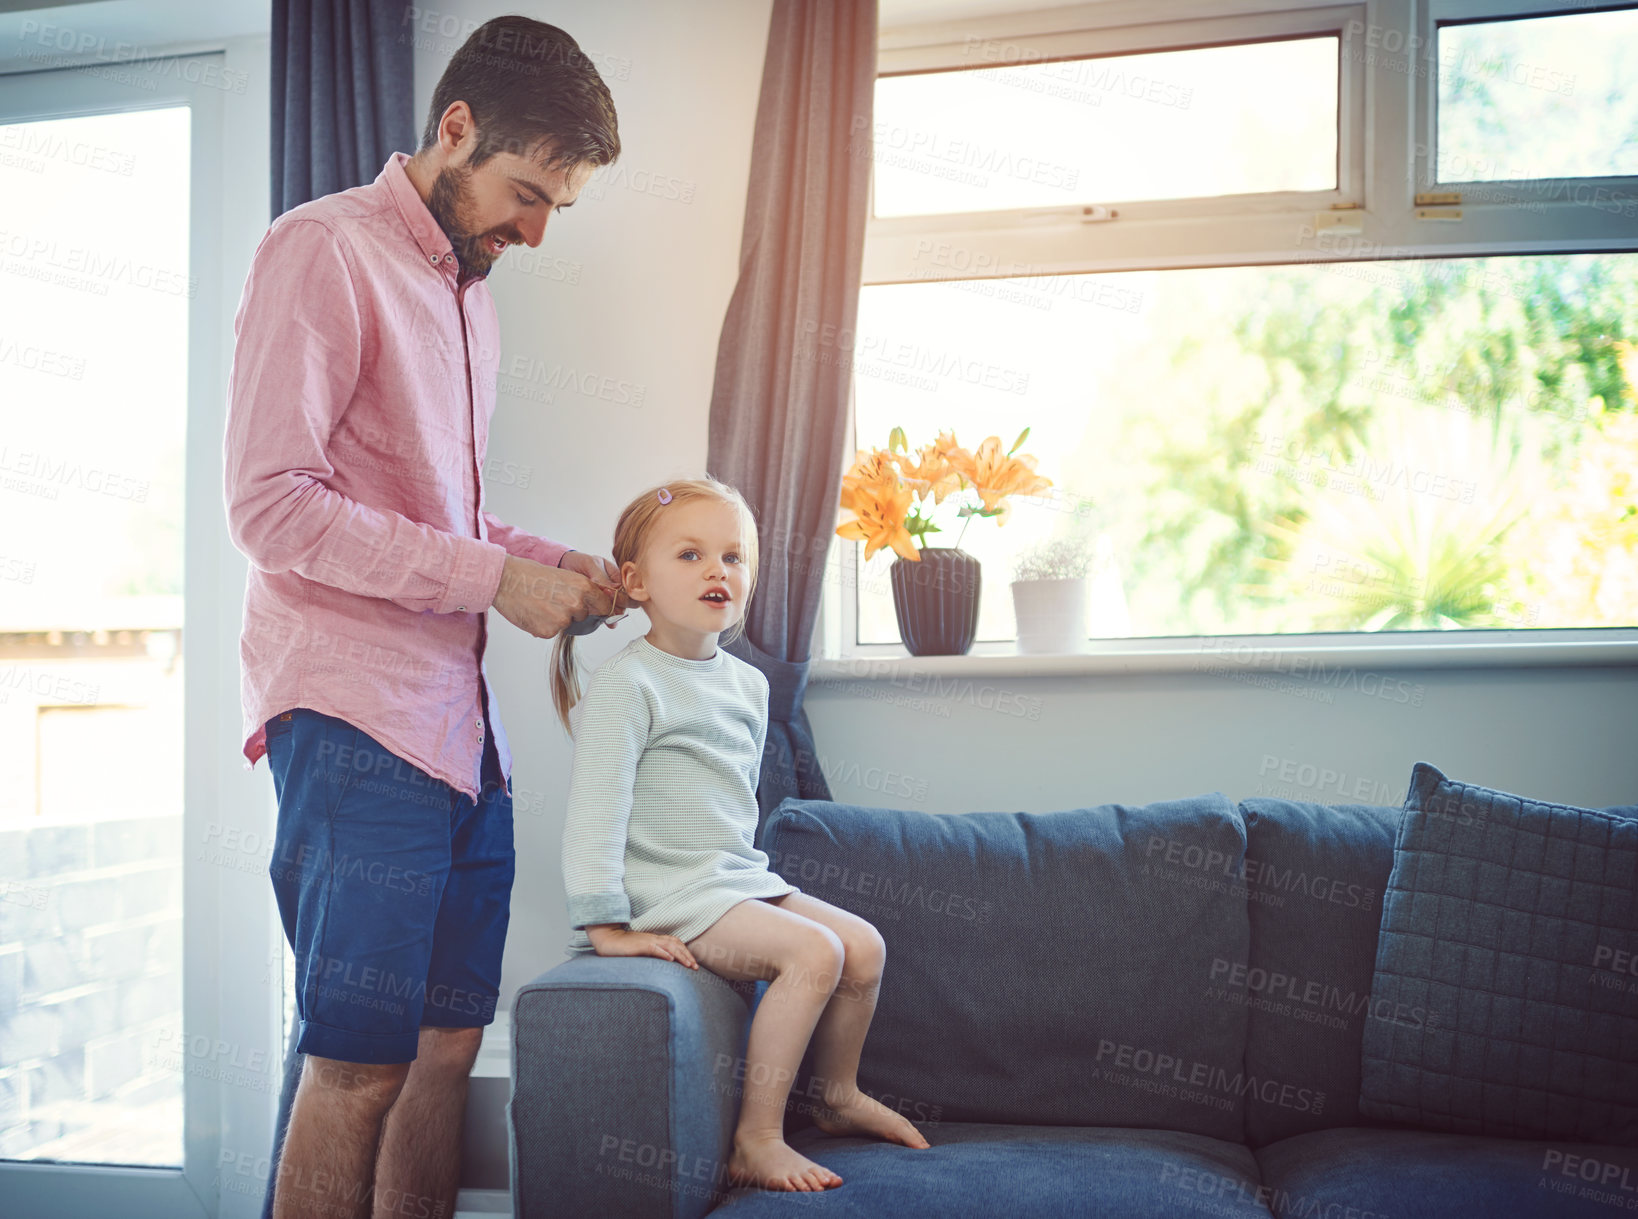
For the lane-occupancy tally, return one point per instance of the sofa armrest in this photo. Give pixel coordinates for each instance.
(625, 1091)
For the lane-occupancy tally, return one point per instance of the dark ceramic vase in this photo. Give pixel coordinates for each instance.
(937, 601)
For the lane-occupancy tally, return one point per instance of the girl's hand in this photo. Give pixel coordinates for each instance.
(629, 943)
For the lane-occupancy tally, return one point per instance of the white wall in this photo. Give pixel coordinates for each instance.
(1561, 734)
(626, 293)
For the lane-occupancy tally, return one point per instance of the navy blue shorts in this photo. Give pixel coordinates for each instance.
(394, 889)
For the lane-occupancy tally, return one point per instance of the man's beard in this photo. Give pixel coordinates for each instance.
(448, 202)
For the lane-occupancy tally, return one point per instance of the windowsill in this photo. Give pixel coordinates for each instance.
(1290, 654)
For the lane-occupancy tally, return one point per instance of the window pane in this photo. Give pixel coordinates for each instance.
(1165, 125)
(94, 296)
(1424, 444)
(1539, 98)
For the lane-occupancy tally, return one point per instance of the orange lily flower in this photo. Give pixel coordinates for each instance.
(931, 473)
(879, 512)
(881, 484)
(996, 476)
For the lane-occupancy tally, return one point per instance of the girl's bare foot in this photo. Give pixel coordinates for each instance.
(770, 1163)
(864, 1115)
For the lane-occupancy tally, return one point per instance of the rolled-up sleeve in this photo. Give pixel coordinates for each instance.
(298, 350)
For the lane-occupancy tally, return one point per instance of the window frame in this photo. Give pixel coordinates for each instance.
(1374, 214)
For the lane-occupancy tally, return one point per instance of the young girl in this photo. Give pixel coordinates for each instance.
(657, 854)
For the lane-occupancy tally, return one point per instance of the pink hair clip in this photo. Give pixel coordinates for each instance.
(665, 496)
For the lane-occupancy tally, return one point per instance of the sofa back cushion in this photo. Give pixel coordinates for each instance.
(1042, 968)
(1507, 913)
(1315, 875)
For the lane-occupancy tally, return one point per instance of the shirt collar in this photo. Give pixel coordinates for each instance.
(428, 233)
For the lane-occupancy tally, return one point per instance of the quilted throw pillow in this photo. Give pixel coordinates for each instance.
(1515, 923)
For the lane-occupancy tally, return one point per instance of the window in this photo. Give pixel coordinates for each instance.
(1280, 402)
(93, 372)
(1539, 97)
(1086, 130)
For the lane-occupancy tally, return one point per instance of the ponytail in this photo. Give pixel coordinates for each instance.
(562, 673)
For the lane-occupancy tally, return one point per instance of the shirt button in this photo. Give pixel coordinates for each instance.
(460, 608)
(434, 257)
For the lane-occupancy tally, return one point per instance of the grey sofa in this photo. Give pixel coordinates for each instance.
(1114, 1011)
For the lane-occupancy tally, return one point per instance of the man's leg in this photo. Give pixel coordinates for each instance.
(361, 854)
(419, 1166)
(418, 1170)
(328, 1163)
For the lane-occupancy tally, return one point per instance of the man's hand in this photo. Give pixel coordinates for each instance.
(543, 600)
(598, 570)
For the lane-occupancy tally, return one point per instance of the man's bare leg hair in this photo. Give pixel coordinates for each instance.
(418, 1168)
(327, 1166)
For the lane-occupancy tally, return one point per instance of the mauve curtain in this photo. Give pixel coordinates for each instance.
(779, 412)
(343, 88)
(343, 81)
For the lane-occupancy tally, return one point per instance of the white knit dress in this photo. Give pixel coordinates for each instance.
(662, 799)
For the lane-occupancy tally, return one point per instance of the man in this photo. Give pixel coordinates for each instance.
(362, 386)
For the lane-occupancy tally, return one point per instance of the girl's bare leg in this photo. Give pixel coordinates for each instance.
(839, 1036)
(758, 941)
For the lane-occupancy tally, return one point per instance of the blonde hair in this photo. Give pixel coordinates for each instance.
(632, 532)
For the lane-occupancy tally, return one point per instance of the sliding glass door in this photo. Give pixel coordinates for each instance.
(124, 879)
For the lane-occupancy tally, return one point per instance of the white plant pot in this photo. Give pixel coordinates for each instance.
(1051, 614)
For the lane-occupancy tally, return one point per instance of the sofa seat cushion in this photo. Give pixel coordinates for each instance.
(996, 1171)
(1368, 1172)
(1042, 968)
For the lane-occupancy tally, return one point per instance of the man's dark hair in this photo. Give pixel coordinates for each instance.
(525, 82)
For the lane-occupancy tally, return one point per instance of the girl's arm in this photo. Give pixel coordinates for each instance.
(761, 738)
(612, 733)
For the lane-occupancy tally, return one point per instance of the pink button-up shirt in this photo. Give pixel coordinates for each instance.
(359, 402)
